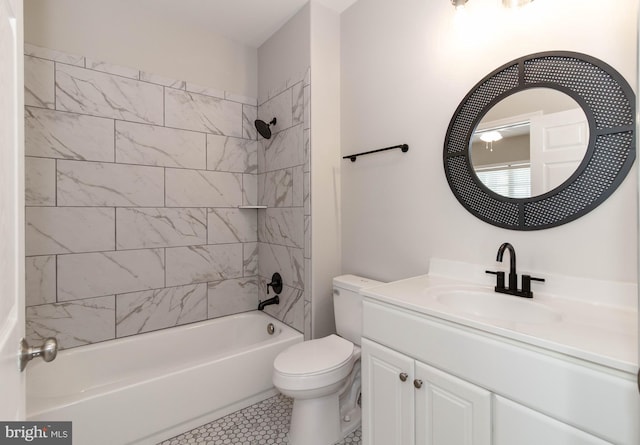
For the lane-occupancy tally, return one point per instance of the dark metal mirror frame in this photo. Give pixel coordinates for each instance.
(609, 104)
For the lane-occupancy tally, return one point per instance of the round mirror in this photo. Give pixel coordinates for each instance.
(569, 185)
(529, 143)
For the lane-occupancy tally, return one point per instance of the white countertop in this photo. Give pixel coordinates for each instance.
(603, 334)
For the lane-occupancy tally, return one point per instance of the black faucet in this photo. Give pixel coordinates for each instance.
(274, 300)
(513, 276)
(276, 285)
(512, 288)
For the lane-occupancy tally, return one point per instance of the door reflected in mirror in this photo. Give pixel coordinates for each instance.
(529, 143)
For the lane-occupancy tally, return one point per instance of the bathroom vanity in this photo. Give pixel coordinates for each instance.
(448, 362)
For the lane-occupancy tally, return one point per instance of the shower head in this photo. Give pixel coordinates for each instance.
(263, 127)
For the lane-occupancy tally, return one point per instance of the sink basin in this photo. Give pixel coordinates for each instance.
(489, 304)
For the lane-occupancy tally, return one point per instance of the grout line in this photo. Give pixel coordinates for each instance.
(207, 300)
(55, 88)
(243, 192)
(155, 124)
(115, 228)
(152, 207)
(55, 259)
(207, 211)
(155, 289)
(139, 77)
(55, 185)
(148, 165)
(149, 124)
(115, 315)
(242, 115)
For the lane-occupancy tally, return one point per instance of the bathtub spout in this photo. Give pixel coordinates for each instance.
(274, 300)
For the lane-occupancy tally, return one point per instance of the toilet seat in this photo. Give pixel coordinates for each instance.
(314, 364)
(314, 356)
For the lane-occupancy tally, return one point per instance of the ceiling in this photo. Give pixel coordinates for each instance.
(250, 22)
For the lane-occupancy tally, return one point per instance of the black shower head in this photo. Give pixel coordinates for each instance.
(263, 127)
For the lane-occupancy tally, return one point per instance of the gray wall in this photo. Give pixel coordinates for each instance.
(402, 84)
(120, 31)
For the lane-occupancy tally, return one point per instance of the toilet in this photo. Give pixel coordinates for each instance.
(323, 375)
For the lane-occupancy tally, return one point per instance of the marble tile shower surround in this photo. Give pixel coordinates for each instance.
(133, 182)
(284, 228)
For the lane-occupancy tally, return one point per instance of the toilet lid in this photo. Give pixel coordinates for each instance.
(314, 356)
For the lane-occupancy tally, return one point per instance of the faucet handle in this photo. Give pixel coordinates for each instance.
(526, 284)
(499, 278)
(276, 283)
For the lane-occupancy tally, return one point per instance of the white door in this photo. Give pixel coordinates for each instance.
(450, 411)
(387, 396)
(558, 145)
(12, 405)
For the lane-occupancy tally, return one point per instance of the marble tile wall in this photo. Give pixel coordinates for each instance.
(133, 183)
(284, 230)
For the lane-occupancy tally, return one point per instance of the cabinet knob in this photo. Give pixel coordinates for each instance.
(404, 376)
(417, 383)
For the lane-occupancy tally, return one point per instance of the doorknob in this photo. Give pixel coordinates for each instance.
(47, 351)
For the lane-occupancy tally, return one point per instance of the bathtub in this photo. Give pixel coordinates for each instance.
(150, 387)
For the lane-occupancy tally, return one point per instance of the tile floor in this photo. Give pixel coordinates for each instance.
(264, 423)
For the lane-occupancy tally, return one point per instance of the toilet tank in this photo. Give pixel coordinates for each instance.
(347, 305)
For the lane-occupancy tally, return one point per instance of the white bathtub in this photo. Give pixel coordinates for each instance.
(149, 387)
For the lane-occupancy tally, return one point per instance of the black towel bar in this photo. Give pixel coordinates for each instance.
(403, 147)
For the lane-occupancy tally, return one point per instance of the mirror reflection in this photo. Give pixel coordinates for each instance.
(529, 143)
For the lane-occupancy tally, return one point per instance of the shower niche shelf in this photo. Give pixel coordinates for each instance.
(252, 207)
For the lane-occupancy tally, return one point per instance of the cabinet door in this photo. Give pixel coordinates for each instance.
(515, 423)
(387, 400)
(450, 411)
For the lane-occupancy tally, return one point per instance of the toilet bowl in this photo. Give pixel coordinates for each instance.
(323, 375)
(315, 374)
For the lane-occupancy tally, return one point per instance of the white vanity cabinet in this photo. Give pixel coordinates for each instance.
(449, 410)
(517, 424)
(428, 381)
(408, 402)
(387, 396)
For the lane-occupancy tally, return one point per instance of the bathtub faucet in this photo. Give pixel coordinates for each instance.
(274, 300)
(276, 283)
